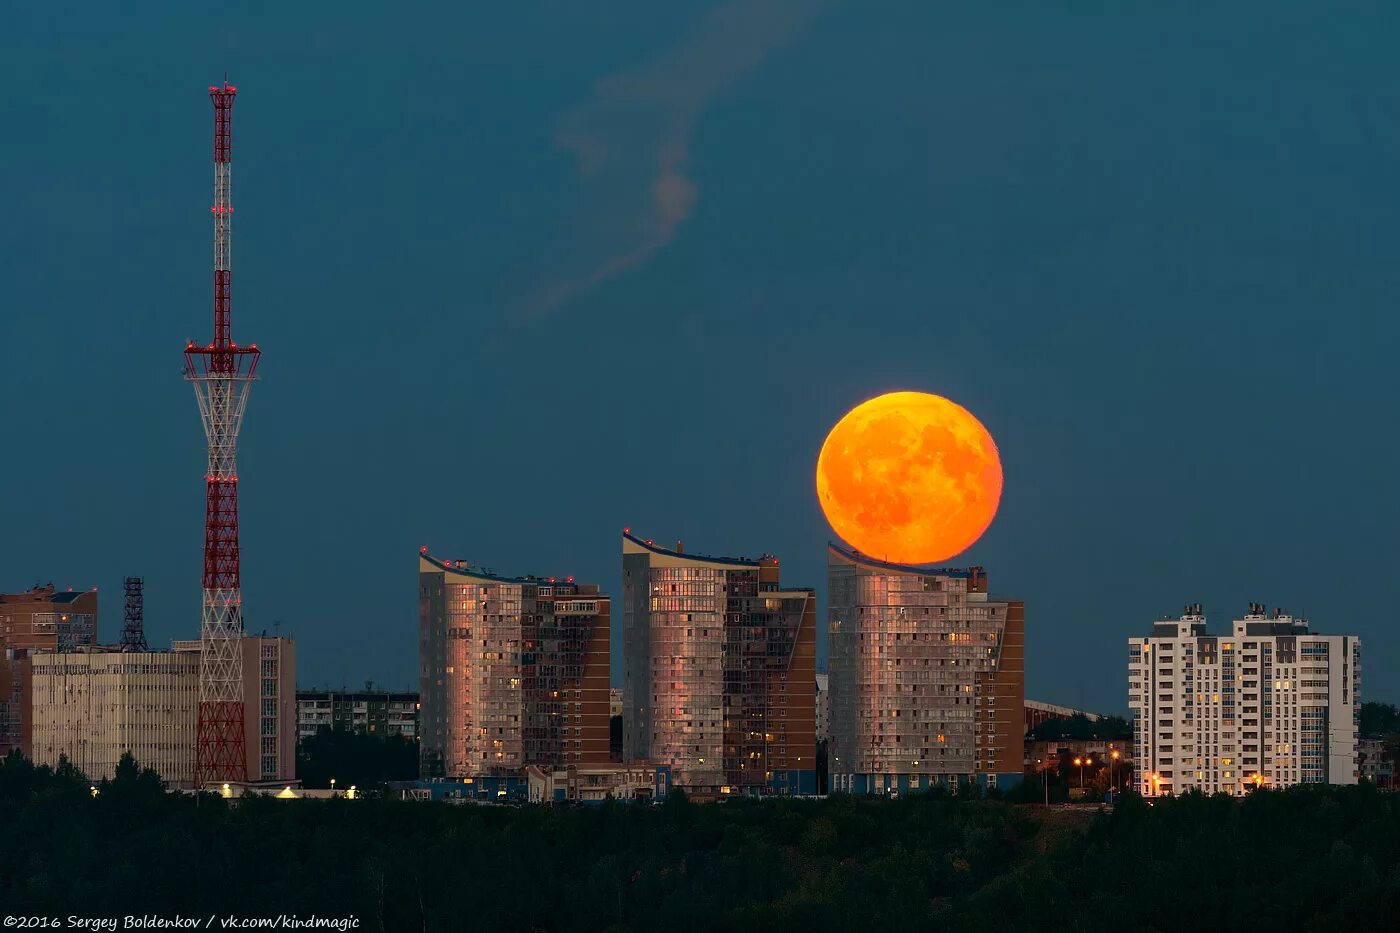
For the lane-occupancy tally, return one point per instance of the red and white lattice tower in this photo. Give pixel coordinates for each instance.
(221, 372)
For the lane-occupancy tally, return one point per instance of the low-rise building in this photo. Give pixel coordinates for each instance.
(596, 783)
(1038, 712)
(373, 711)
(1375, 762)
(1047, 753)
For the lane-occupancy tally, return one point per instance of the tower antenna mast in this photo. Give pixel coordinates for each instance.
(134, 627)
(221, 373)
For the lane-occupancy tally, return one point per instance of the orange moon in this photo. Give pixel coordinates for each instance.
(909, 478)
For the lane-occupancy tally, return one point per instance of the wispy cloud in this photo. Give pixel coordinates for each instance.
(631, 141)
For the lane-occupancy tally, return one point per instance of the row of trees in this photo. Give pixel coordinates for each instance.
(1306, 858)
(358, 758)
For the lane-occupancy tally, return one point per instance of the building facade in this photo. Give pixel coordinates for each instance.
(719, 677)
(92, 705)
(513, 671)
(927, 676)
(371, 711)
(38, 619)
(270, 707)
(1271, 704)
(823, 707)
(1375, 762)
(596, 783)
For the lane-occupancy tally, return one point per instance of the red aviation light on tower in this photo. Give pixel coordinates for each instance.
(221, 372)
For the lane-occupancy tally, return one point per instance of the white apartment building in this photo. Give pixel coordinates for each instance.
(1271, 704)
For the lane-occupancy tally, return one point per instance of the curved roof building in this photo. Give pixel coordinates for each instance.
(927, 677)
(513, 671)
(719, 671)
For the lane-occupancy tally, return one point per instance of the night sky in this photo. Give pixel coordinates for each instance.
(528, 273)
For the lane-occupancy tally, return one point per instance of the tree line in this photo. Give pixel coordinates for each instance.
(1309, 858)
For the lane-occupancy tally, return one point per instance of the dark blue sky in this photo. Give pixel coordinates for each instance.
(527, 274)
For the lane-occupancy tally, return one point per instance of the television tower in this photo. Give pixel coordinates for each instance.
(134, 629)
(221, 372)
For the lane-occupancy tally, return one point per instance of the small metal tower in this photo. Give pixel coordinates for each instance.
(134, 629)
(221, 372)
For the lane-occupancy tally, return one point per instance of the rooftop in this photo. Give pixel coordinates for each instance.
(465, 569)
(650, 545)
(856, 557)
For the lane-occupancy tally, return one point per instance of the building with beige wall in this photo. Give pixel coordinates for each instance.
(596, 783)
(91, 705)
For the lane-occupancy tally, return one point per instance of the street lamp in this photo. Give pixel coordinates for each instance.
(1112, 760)
(1079, 763)
(332, 787)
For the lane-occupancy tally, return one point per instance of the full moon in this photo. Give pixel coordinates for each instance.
(909, 478)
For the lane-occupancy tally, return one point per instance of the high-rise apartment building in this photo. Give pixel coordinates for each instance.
(927, 677)
(720, 671)
(513, 671)
(38, 619)
(1271, 704)
(372, 711)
